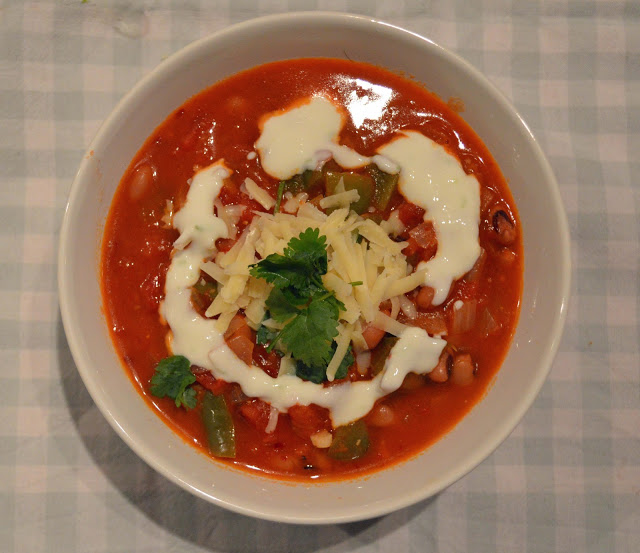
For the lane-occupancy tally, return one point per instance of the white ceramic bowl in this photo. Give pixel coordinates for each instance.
(546, 279)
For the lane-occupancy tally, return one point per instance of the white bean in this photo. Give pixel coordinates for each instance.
(141, 181)
(382, 415)
(463, 370)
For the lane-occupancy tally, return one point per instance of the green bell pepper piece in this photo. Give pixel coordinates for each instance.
(219, 426)
(386, 185)
(297, 183)
(380, 353)
(364, 184)
(350, 441)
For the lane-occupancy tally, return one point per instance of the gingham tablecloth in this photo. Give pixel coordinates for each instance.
(567, 479)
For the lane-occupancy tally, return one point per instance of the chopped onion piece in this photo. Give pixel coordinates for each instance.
(363, 361)
(322, 439)
(486, 323)
(463, 316)
(425, 235)
(273, 420)
(433, 324)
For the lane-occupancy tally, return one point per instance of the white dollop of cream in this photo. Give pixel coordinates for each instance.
(196, 221)
(433, 179)
(192, 335)
(415, 351)
(299, 138)
(197, 338)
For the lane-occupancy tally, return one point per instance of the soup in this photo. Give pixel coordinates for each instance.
(312, 269)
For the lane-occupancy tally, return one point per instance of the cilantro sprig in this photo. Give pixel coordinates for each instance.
(314, 375)
(309, 311)
(173, 378)
(302, 264)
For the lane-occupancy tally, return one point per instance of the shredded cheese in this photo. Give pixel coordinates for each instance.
(406, 284)
(215, 272)
(342, 345)
(342, 199)
(365, 268)
(386, 323)
(258, 194)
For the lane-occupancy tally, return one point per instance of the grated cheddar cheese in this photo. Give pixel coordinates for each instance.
(365, 267)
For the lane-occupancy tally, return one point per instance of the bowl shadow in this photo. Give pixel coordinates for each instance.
(188, 517)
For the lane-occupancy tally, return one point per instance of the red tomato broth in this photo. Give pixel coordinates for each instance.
(223, 122)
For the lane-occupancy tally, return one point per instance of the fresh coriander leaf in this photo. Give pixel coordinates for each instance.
(172, 378)
(300, 300)
(330, 301)
(280, 306)
(311, 250)
(308, 337)
(189, 399)
(301, 266)
(346, 362)
(281, 271)
(318, 374)
(265, 335)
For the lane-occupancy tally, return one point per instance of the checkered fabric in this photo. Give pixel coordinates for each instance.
(567, 479)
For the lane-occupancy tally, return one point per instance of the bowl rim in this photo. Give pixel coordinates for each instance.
(421, 492)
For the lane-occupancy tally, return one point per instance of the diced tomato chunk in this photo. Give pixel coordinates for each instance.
(256, 412)
(238, 326)
(230, 193)
(425, 236)
(309, 419)
(424, 299)
(210, 382)
(240, 339)
(269, 362)
(224, 244)
(372, 335)
(412, 247)
(410, 214)
(242, 347)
